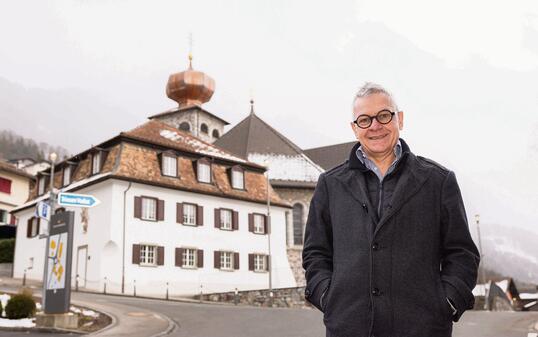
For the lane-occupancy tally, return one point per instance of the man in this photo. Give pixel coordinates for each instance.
(387, 249)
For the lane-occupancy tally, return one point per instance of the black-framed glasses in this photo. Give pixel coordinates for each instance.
(383, 117)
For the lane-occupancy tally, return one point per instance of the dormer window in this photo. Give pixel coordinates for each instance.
(41, 184)
(203, 170)
(169, 165)
(238, 178)
(96, 162)
(67, 175)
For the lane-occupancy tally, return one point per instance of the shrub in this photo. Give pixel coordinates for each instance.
(21, 305)
(7, 248)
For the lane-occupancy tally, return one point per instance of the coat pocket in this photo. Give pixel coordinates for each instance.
(445, 310)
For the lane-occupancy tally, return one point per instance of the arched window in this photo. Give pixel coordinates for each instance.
(185, 126)
(298, 224)
(204, 128)
(216, 133)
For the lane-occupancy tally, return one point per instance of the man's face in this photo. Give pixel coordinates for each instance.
(377, 139)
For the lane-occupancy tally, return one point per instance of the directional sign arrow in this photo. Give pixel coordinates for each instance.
(77, 200)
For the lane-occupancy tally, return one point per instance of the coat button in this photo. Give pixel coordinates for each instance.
(375, 246)
(376, 292)
(307, 293)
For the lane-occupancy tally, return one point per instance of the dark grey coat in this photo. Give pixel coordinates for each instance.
(392, 281)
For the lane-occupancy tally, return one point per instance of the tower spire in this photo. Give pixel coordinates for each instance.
(251, 106)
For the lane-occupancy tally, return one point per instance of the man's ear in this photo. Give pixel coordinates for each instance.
(400, 120)
(354, 127)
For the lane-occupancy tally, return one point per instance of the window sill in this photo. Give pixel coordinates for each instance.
(189, 267)
(150, 220)
(227, 270)
(259, 233)
(226, 229)
(190, 225)
(260, 271)
(148, 265)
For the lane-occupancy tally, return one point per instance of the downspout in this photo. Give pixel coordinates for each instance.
(123, 241)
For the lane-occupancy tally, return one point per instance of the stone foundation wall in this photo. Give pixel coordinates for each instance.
(282, 298)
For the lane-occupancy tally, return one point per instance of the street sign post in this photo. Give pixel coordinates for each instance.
(43, 210)
(77, 200)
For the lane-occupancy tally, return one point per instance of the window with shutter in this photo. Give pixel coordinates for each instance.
(200, 258)
(189, 258)
(148, 255)
(199, 215)
(259, 223)
(5, 185)
(226, 260)
(189, 214)
(41, 184)
(226, 219)
(260, 264)
(149, 209)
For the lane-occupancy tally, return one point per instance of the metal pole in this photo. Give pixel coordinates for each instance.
(52, 200)
(268, 226)
(481, 266)
(123, 242)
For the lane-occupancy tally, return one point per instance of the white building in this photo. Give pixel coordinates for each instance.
(175, 212)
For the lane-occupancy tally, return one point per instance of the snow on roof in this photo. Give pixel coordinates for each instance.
(503, 285)
(528, 296)
(288, 167)
(200, 146)
(65, 189)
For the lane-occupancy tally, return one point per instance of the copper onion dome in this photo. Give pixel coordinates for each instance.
(190, 87)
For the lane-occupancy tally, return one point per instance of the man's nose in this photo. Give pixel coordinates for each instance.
(375, 124)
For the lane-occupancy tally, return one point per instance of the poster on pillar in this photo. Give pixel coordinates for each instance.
(58, 264)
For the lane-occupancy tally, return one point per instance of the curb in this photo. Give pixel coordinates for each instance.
(172, 326)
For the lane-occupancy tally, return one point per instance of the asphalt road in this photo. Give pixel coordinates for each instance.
(208, 320)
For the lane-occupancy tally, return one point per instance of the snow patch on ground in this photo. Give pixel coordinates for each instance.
(17, 323)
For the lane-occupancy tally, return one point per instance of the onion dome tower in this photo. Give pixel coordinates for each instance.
(190, 89)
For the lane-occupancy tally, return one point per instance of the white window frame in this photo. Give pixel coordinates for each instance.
(204, 172)
(227, 260)
(169, 164)
(260, 263)
(148, 255)
(238, 179)
(66, 176)
(259, 223)
(148, 209)
(189, 214)
(190, 258)
(96, 162)
(34, 231)
(226, 219)
(41, 185)
(5, 213)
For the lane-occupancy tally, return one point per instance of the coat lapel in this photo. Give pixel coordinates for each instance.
(410, 182)
(354, 184)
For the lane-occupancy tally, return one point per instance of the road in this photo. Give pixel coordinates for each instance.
(213, 320)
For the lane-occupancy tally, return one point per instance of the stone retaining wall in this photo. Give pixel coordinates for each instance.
(282, 298)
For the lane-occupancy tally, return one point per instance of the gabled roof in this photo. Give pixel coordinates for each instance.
(134, 156)
(330, 156)
(5, 166)
(253, 135)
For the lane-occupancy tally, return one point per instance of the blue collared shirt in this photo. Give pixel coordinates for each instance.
(373, 167)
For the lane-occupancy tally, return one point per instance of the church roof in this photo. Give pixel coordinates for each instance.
(330, 156)
(253, 135)
(257, 141)
(186, 108)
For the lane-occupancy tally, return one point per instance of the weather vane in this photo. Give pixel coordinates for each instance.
(190, 50)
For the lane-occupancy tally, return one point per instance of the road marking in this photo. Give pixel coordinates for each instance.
(138, 314)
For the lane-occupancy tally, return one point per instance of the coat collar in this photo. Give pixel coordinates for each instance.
(412, 178)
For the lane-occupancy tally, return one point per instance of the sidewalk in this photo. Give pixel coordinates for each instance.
(126, 320)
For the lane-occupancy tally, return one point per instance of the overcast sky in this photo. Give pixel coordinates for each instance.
(74, 73)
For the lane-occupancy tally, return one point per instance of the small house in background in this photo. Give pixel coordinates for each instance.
(500, 294)
(15, 185)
